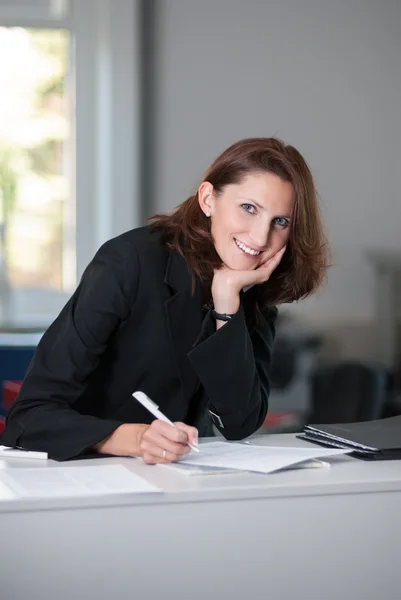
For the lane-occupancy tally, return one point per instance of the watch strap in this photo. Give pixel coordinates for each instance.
(221, 316)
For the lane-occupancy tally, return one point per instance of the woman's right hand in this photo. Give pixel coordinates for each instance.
(159, 442)
(163, 443)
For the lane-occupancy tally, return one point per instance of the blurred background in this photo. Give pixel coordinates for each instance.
(111, 110)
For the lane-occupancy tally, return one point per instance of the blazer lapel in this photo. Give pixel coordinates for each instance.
(184, 317)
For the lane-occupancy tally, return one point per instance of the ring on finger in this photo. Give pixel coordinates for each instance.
(164, 454)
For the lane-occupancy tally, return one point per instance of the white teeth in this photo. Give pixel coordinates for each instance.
(246, 249)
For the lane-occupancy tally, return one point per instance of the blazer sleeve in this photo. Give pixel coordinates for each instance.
(233, 366)
(43, 416)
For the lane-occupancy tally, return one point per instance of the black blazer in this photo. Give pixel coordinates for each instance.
(134, 324)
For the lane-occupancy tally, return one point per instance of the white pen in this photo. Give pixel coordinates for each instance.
(154, 409)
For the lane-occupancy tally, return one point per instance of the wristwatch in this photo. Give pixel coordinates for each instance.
(221, 316)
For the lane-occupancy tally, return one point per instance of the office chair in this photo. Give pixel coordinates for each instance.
(347, 392)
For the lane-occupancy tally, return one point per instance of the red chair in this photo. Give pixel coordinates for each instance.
(10, 392)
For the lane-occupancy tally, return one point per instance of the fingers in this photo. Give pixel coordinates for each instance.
(228, 282)
(164, 443)
(152, 459)
(191, 432)
(155, 439)
(276, 258)
(279, 255)
(161, 456)
(265, 270)
(170, 432)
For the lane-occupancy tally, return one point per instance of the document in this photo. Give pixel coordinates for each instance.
(248, 457)
(7, 451)
(189, 469)
(382, 436)
(57, 482)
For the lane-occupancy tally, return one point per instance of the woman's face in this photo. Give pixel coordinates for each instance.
(249, 220)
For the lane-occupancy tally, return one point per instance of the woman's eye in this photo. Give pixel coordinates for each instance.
(249, 208)
(281, 222)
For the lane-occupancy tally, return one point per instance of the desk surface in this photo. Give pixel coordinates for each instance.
(346, 475)
(216, 536)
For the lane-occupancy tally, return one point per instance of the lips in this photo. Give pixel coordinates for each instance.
(247, 249)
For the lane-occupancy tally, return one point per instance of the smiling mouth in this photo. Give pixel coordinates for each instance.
(246, 249)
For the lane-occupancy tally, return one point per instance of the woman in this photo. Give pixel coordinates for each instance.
(182, 309)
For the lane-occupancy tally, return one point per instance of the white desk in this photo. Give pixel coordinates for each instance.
(312, 533)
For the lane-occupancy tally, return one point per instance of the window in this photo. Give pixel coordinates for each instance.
(69, 148)
(36, 186)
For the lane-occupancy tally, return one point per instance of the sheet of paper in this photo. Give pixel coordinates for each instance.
(188, 469)
(7, 451)
(59, 482)
(246, 457)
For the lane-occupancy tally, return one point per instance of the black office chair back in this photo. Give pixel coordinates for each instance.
(284, 363)
(347, 392)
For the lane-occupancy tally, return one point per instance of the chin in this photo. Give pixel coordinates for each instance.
(235, 265)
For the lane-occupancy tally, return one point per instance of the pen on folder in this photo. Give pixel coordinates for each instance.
(154, 409)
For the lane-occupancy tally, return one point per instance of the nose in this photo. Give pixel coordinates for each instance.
(260, 234)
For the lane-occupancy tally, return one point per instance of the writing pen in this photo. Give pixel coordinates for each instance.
(154, 409)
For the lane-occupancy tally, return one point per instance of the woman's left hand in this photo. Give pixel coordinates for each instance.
(227, 283)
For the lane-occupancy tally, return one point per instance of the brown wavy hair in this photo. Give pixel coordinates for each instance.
(303, 267)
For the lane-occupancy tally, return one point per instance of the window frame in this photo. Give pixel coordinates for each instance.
(105, 139)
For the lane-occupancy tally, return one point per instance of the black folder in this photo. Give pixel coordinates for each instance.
(369, 440)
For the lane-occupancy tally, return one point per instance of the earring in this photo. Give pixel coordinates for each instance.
(207, 214)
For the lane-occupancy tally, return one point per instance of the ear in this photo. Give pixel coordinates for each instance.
(206, 198)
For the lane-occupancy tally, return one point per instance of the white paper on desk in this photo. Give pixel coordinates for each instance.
(189, 469)
(8, 451)
(246, 457)
(56, 482)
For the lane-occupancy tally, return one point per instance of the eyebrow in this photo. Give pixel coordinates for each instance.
(263, 208)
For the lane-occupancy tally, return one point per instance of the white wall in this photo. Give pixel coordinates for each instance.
(322, 75)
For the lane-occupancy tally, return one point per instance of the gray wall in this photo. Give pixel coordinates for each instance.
(322, 75)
